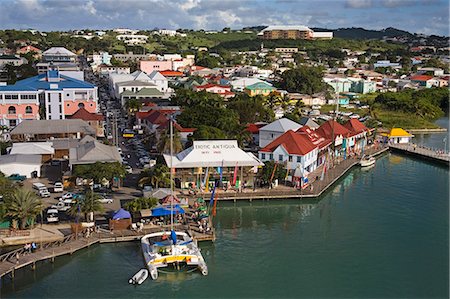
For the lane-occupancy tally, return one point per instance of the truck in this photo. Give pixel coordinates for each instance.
(17, 177)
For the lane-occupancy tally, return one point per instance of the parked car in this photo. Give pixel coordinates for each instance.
(58, 187)
(44, 193)
(17, 177)
(67, 195)
(52, 215)
(105, 199)
(129, 169)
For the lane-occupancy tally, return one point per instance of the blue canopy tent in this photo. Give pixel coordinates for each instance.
(166, 211)
(121, 214)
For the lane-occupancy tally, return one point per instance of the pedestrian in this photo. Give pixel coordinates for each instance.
(33, 246)
(17, 257)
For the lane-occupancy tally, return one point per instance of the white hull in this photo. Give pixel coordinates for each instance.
(367, 162)
(160, 252)
(139, 277)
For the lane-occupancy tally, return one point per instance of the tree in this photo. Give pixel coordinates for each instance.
(208, 133)
(23, 205)
(88, 203)
(307, 80)
(140, 203)
(268, 170)
(99, 171)
(163, 145)
(251, 109)
(158, 176)
(133, 105)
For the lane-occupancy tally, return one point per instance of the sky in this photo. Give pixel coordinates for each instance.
(416, 16)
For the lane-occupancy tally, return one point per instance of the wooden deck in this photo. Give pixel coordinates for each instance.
(72, 243)
(422, 152)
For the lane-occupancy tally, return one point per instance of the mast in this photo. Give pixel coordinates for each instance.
(171, 174)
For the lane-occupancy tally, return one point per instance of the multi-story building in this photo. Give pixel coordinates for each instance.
(132, 39)
(292, 32)
(58, 54)
(57, 95)
(14, 60)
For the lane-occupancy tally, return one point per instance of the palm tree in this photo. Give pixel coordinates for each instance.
(23, 205)
(158, 176)
(133, 105)
(141, 203)
(164, 142)
(87, 204)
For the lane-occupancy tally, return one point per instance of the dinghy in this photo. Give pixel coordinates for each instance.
(139, 277)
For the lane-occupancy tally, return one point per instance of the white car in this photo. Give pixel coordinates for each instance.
(105, 199)
(129, 169)
(58, 187)
(67, 195)
(44, 193)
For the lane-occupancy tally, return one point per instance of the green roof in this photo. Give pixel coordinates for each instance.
(260, 85)
(149, 92)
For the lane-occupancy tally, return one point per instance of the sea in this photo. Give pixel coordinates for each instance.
(381, 232)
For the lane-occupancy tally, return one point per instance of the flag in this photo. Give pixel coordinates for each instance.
(324, 169)
(212, 194)
(235, 174)
(214, 206)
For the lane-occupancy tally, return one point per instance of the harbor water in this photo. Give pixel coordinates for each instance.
(378, 233)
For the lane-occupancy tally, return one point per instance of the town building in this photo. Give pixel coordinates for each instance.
(270, 132)
(43, 130)
(292, 32)
(397, 135)
(260, 88)
(44, 149)
(58, 54)
(222, 90)
(193, 164)
(60, 95)
(27, 165)
(239, 84)
(351, 85)
(95, 120)
(14, 60)
(148, 66)
(132, 39)
(92, 151)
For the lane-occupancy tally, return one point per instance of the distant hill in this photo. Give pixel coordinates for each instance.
(361, 33)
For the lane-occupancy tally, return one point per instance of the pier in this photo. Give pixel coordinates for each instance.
(21, 258)
(422, 152)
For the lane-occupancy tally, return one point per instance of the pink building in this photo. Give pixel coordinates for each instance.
(148, 66)
(54, 94)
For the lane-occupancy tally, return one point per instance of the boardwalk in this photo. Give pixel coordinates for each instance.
(422, 152)
(20, 258)
(318, 186)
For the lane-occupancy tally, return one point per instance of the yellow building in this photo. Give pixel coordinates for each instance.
(259, 88)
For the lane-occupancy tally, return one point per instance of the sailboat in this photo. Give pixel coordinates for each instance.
(171, 250)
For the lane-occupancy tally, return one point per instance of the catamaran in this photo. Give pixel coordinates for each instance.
(171, 250)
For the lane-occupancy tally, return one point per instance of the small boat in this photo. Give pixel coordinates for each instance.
(139, 277)
(367, 161)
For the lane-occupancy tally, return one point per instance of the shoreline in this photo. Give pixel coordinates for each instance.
(427, 131)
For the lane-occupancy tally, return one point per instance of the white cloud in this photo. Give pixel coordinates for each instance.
(359, 3)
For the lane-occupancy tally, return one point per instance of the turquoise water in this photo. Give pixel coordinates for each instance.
(378, 233)
(435, 140)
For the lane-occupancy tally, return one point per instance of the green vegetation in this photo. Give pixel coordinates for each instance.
(140, 203)
(306, 80)
(86, 204)
(99, 171)
(157, 176)
(23, 206)
(268, 171)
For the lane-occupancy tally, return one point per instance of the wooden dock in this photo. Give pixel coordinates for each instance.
(283, 192)
(422, 152)
(21, 258)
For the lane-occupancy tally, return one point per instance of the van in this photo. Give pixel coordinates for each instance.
(52, 215)
(38, 186)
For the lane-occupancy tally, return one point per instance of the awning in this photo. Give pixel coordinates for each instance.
(121, 214)
(167, 211)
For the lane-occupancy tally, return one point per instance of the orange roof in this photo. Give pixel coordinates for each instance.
(27, 49)
(293, 143)
(83, 114)
(421, 78)
(209, 85)
(169, 73)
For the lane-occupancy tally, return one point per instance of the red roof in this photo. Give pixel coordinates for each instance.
(355, 126)
(27, 49)
(293, 143)
(254, 128)
(83, 114)
(156, 117)
(177, 126)
(421, 78)
(327, 128)
(169, 73)
(316, 139)
(210, 85)
(142, 114)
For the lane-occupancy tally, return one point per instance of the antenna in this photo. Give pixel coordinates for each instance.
(171, 173)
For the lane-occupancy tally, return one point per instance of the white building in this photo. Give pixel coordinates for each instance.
(132, 39)
(22, 164)
(159, 82)
(239, 84)
(275, 129)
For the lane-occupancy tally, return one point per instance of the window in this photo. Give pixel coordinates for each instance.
(290, 158)
(80, 105)
(12, 122)
(60, 108)
(67, 104)
(28, 110)
(270, 156)
(49, 109)
(11, 110)
(67, 94)
(299, 159)
(263, 156)
(280, 157)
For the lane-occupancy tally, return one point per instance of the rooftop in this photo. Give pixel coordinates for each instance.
(293, 143)
(54, 126)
